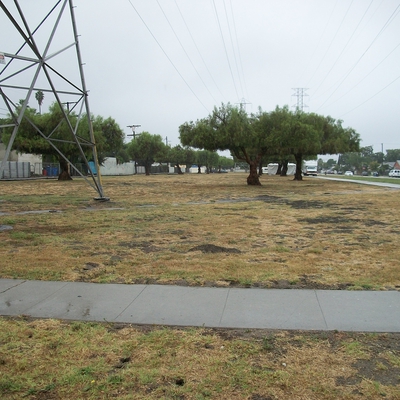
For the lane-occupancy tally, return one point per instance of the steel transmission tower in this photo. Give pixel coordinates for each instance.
(48, 59)
(300, 94)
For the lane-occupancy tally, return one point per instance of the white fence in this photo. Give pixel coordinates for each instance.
(15, 169)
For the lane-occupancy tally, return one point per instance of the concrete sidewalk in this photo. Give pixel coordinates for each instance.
(358, 311)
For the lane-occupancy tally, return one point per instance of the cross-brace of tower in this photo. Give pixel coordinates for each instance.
(48, 60)
(300, 94)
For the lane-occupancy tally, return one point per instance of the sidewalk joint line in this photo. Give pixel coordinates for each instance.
(132, 301)
(47, 297)
(319, 305)
(12, 287)
(223, 310)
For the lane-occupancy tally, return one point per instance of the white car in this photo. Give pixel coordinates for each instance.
(395, 172)
(348, 173)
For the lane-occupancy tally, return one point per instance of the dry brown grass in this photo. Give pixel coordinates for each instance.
(54, 360)
(315, 233)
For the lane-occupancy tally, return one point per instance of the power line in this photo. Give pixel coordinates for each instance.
(238, 47)
(233, 47)
(197, 48)
(345, 46)
(372, 96)
(336, 83)
(366, 76)
(387, 23)
(187, 55)
(166, 55)
(226, 51)
(330, 17)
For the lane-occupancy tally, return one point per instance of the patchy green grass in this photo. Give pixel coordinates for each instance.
(195, 230)
(56, 360)
(200, 229)
(383, 179)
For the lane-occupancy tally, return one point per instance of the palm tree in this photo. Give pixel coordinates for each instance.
(39, 96)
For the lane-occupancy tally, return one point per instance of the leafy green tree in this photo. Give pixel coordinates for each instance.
(379, 157)
(230, 128)
(304, 135)
(33, 128)
(392, 155)
(206, 158)
(110, 139)
(179, 155)
(350, 161)
(374, 165)
(146, 149)
(225, 162)
(298, 134)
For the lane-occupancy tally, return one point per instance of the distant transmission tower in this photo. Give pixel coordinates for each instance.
(243, 103)
(300, 94)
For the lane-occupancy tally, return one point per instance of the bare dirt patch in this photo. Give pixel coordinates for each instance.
(212, 248)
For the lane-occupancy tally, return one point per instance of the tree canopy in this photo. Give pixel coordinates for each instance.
(229, 128)
(146, 149)
(179, 155)
(281, 133)
(35, 128)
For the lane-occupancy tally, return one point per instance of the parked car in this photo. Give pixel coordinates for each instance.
(348, 173)
(364, 173)
(375, 173)
(395, 173)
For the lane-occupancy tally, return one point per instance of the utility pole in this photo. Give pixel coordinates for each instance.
(133, 127)
(300, 94)
(166, 141)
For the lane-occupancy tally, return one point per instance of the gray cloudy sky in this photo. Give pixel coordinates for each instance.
(160, 63)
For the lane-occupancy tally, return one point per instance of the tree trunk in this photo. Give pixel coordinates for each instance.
(64, 171)
(199, 169)
(279, 170)
(178, 167)
(147, 168)
(260, 172)
(253, 178)
(298, 176)
(284, 168)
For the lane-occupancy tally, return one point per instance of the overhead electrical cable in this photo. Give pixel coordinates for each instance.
(365, 77)
(198, 50)
(320, 39)
(387, 23)
(233, 48)
(239, 52)
(344, 48)
(184, 50)
(391, 83)
(166, 55)
(226, 51)
(333, 39)
(334, 85)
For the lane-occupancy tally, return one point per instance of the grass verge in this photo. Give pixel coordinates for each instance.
(57, 360)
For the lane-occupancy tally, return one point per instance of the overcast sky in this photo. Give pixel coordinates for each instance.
(160, 63)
